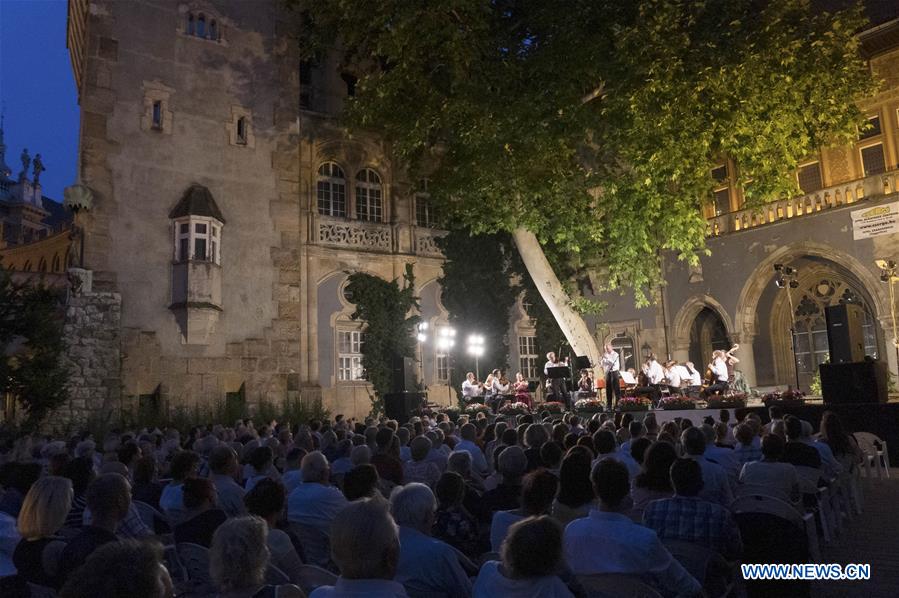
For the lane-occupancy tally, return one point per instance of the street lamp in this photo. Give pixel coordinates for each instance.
(421, 336)
(787, 277)
(476, 349)
(446, 339)
(888, 275)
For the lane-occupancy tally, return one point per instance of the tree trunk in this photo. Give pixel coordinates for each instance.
(570, 322)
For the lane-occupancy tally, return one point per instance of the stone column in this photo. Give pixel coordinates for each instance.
(681, 353)
(886, 327)
(746, 355)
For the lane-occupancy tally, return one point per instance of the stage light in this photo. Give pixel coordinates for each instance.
(794, 284)
(781, 283)
(882, 264)
(778, 267)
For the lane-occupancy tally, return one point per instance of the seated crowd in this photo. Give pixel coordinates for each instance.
(510, 506)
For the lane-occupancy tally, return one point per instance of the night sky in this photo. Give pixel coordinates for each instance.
(38, 90)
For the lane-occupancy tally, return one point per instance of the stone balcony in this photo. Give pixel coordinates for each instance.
(377, 237)
(824, 199)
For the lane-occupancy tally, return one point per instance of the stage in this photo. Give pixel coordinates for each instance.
(881, 419)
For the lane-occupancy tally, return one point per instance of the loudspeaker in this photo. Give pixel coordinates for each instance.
(845, 338)
(861, 382)
(403, 376)
(400, 405)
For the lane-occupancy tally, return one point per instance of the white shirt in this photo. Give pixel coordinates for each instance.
(716, 484)
(695, 378)
(293, 478)
(172, 501)
(367, 588)
(478, 461)
(674, 376)
(315, 504)
(491, 583)
(499, 527)
(719, 370)
(500, 389)
(550, 364)
(606, 542)
(471, 389)
(654, 372)
(774, 478)
(610, 362)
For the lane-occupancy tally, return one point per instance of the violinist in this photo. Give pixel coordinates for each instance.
(520, 388)
(693, 379)
(472, 390)
(719, 375)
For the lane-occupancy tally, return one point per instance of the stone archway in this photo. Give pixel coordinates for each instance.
(682, 326)
(708, 333)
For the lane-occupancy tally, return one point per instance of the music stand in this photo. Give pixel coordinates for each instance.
(533, 385)
(562, 371)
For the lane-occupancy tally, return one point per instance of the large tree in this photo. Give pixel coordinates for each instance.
(588, 128)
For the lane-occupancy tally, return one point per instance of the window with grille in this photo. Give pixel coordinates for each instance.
(720, 174)
(331, 190)
(624, 346)
(810, 177)
(528, 360)
(872, 129)
(197, 239)
(349, 355)
(157, 115)
(872, 159)
(443, 366)
(722, 201)
(368, 196)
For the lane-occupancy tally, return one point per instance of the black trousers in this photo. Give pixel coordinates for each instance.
(613, 388)
(718, 387)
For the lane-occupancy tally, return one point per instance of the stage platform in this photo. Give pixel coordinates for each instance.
(879, 418)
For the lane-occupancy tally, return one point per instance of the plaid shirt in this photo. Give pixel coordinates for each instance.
(694, 520)
(746, 453)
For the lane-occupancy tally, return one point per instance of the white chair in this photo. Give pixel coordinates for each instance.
(195, 560)
(312, 577)
(761, 503)
(149, 515)
(316, 544)
(876, 454)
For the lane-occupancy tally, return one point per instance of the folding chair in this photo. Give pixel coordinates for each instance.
(708, 566)
(195, 560)
(771, 505)
(316, 544)
(312, 577)
(614, 585)
(150, 515)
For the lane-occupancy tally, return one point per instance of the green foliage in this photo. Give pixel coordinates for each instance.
(596, 124)
(31, 340)
(384, 307)
(479, 290)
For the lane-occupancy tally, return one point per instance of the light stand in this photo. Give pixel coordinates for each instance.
(888, 275)
(446, 339)
(421, 336)
(475, 348)
(787, 277)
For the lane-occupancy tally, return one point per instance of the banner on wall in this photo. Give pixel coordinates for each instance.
(875, 221)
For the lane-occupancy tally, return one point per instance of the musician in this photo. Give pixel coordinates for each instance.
(693, 378)
(501, 388)
(654, 377)
(551, 362)
(520, 388)
(585, 386)
(472, 390)
(555, 386)
(611, 364)
(731, 360)
(720, 376)
(674, 376)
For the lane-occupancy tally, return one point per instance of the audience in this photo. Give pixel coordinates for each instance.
(506, 496)
(418, 469)
(128, 568)
(608, 541)
(538, 490)
(42, 515)
(224, 467)
(366, 568)
(315, 502)
(453, 523)
(108, 498)
(266, 501)
(575, 497)
(238, 560)
(654, 480)
(185, 464)
(688, 518)
(427, 566)
(361, 482)
(770, 476)
(524, 571)
(201, 514)
(716, 486)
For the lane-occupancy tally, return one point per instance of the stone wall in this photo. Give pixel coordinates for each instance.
(93, 354)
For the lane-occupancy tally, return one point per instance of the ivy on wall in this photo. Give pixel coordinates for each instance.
(384, 307)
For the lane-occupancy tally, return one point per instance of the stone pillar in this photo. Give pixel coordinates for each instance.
(886, 327)
(681, 353)
(746, 355)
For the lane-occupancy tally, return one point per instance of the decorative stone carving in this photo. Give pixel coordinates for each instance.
(78, 197)
(426, 242)
(358, 235)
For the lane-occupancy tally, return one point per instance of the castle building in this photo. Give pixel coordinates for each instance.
(228, 207)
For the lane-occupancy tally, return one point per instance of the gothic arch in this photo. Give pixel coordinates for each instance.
(761, 277)
(683, 321)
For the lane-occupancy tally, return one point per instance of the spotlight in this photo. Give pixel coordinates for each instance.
(789, 270)
(778, 267)
(781, 283)
(884, 276)
(882, 264)
(794, 284)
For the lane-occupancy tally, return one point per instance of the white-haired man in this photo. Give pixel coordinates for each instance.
(315, 502)
(427, 566)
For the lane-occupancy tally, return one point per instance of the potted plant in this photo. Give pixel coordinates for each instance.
(589, 405)
(786, 398)
(634, 404)
(676, 403)
(553, 407)
(736, 400)
(476, 408)
(515, 408)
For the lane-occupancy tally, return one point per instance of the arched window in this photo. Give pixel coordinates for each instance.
(213, 30)
(42, 265)
(26, 267)
(56, 263)
(368, 196)
(425, 213)
(191, 29)
(624, 346)
(201, 26)
(331, 190)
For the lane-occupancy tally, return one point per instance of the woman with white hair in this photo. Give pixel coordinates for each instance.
(43, 514)
(427, 566)
(238, 559)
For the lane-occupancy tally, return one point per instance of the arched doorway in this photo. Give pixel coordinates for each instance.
(707, 333)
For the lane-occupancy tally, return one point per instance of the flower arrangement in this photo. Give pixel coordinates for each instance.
(589, 405)
(676, 402)
(476, 408)
(553, 407)
(736, 400)
(634, 404)
(515, 408)
(796, 397)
